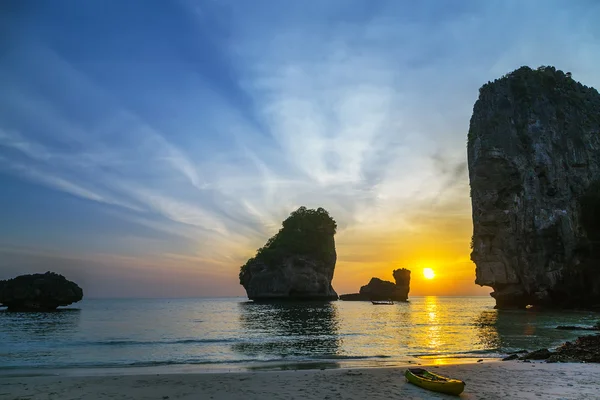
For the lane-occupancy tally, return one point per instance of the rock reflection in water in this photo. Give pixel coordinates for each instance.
(512, 330)
(289, 329)
(37, 325)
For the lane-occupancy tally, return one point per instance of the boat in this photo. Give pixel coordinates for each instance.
(437, 383)
(382, 302)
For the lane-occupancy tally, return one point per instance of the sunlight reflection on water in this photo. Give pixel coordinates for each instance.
(216, 331)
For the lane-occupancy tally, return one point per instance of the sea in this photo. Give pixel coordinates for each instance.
(220, 334)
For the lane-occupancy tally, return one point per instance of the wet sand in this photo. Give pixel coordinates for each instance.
(485, 380)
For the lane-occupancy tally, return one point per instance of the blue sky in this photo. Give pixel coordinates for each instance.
(147, 148)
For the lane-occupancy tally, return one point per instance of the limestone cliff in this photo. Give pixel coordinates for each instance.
(378, 289)
(533, 156)
(297, 263)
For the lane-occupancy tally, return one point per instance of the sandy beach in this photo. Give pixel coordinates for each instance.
(485, 380)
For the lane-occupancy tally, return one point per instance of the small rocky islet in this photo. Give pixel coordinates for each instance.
(378, 289)
(38, 292)
(297, 263)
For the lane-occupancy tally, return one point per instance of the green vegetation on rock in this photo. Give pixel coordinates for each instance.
(306, 232)
(516, 93)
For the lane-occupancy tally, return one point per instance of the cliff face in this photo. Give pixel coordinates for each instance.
(297, 263)
(378, 289)
(533, 156)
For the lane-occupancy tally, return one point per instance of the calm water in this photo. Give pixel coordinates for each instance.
(217, 333)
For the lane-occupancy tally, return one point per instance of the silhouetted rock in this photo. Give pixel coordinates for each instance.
(38, 292)
(297, 263)
(402, 278)
(378, 289)
(511, 357)
(534, 163)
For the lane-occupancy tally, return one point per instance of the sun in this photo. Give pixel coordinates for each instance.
(428, 273)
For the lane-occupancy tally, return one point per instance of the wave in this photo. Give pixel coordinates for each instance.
(151, 342)
(182, 362)
(123, 364)
(282, 358)
(494, 353)
(343, 357)
(285, 359)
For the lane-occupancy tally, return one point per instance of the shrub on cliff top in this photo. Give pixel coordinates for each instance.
(520, 89)
(304, 232)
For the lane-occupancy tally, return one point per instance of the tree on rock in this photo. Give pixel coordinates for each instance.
(298, 262)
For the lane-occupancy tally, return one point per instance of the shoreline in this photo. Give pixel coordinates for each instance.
(485, 380)
(224, 368)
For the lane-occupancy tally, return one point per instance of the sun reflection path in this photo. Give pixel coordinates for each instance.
(434, 332)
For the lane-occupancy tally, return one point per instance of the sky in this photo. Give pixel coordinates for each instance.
(148, 148)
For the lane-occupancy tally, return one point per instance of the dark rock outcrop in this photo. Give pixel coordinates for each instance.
(584, 349)
(39, 292)
(378, 289)
(541, 354)
(297, 263)
(402, 278)
(534, 160)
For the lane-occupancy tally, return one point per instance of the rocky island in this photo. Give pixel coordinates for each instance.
(378, 289)
(297, 263)
(38, 292)
(534, 168)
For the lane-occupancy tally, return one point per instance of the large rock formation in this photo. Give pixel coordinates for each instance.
(297, 263)
(378, 289)
(38, 292)
(534, 158)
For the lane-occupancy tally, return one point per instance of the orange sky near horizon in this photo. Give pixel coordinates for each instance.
(452, 277)
(449, 258)
(434, 235)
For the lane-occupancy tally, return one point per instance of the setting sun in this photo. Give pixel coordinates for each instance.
(428, 273)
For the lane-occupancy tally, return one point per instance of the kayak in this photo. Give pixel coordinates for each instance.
(384, 302)
(436, 383)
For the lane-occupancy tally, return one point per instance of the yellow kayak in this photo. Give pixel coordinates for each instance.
(431, 381)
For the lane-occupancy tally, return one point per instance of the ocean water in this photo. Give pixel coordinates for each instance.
(235, 333)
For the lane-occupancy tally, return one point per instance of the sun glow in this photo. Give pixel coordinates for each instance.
(428, 273)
